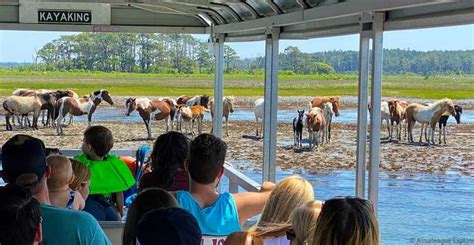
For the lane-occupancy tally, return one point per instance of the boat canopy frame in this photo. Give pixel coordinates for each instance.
(259, 20)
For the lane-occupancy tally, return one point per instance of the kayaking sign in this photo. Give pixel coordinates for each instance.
(65, 16)
(68, 13)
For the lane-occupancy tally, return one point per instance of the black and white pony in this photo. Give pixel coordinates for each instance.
(443, 120)
(298, 129)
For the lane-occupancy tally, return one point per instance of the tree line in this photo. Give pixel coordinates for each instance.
(183, 53)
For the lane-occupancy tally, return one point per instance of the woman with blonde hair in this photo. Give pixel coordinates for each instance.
(347, 220)
(288, 194)
(303, 222)
(82, 178)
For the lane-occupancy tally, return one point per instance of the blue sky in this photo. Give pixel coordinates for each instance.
(19, 46)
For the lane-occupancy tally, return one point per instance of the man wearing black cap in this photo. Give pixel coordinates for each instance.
(24, 164)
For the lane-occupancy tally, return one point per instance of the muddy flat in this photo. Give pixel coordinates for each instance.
(245, 150)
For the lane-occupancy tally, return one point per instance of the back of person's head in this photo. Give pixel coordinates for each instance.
(61, 172)
(206, 158)
(100, 140)
(20, 221)
(303, 222)
(81, 172)
(24, 162)
(289, 194)
(169, 153)
(347, 220)
(147, 200)
(168, 226)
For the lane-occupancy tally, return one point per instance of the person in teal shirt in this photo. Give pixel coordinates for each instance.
(24, 164)
(110, 175)
(218, 214)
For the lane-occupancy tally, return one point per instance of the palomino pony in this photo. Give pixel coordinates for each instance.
(321, 100)
(78, 107)
(316, 123)
(159, 109)
(258, 111)
(429, 115)
(191, 114)
(443, 120)
(298, 129)
(228, 107)
(328, 113)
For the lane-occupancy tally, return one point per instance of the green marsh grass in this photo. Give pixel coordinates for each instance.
(132, 84)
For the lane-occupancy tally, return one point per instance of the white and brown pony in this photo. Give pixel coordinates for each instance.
(202, 100)
(428, 115)
(316, 123)
(158, 109)
(258, 112)
(228, 108)
(191, 114)
(319, 101)
(78, 107)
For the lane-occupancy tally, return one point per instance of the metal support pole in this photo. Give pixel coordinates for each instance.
(218, 84)
(364, 47)
(375, 114)
(271, 104)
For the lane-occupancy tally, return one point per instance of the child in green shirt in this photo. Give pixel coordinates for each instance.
(110, 175)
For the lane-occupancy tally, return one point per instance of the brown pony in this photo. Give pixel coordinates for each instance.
(78, 107)
(397, 115)
(321, 100)
(160, 109)
(228, 103)
(428, 115)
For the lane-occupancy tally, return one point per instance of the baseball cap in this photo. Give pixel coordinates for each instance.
(165, 226)
(23, 154)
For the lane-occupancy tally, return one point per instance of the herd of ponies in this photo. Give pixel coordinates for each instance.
(186, 112)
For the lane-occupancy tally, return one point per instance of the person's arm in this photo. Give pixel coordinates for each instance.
(250, 204)
(119, 202)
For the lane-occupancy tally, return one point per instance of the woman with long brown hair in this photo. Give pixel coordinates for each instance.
(347, 220)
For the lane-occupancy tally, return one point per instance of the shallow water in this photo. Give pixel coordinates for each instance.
(410, 205)
(347, 116)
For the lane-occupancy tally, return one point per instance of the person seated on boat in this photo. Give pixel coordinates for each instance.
(61, 176)
(167, 163)
(82, 178)
(21, 216)
(110, 175)
(347, 220)
(218, 214)
(303, 221)
(168, 226)
(24, 163)
(288, 195)
(147, 200)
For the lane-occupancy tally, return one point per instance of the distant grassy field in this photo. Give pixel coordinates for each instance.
(130, 84)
